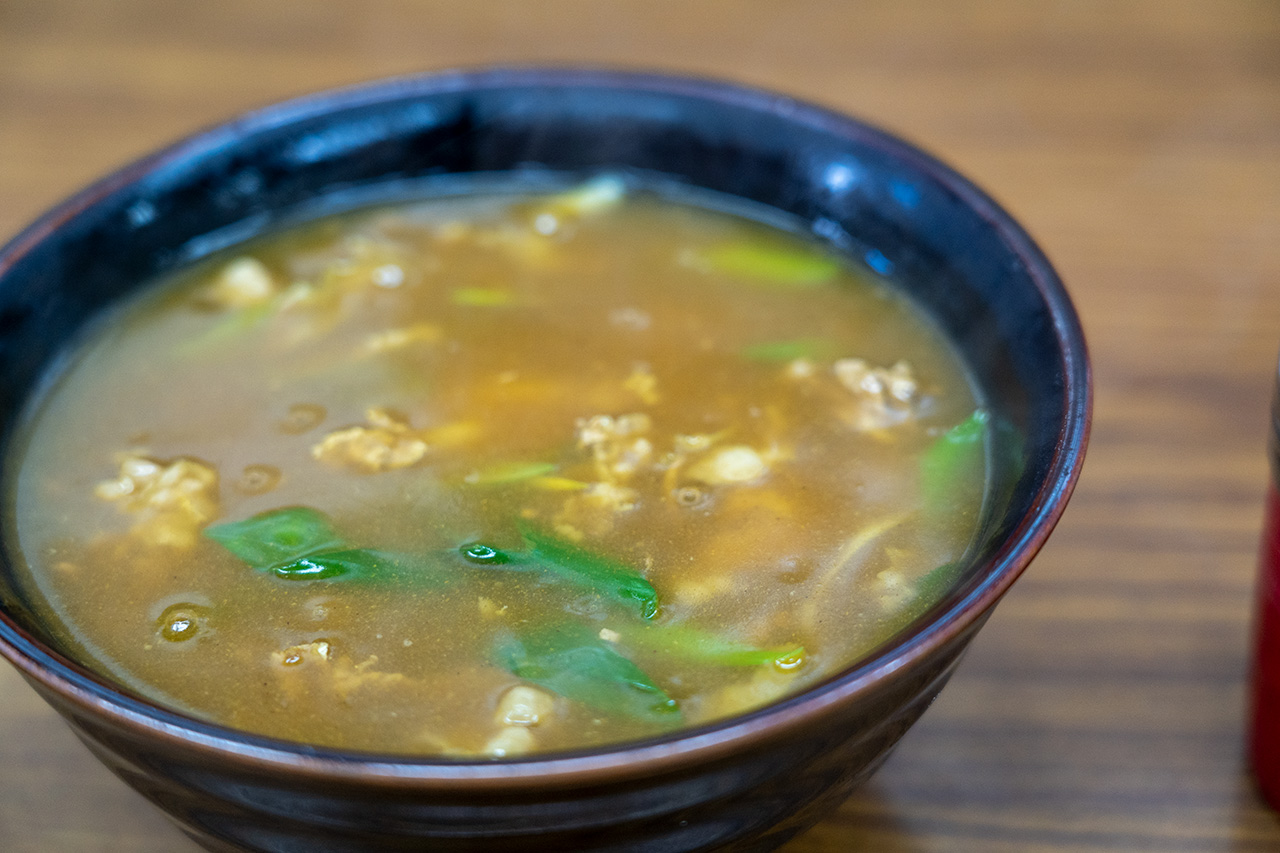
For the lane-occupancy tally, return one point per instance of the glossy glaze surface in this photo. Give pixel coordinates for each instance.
(990, 288)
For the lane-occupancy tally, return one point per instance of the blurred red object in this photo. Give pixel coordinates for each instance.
(1264, 746)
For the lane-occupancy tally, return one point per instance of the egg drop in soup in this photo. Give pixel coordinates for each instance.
(499, 473)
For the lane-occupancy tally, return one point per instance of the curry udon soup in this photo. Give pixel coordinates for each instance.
(490, 475)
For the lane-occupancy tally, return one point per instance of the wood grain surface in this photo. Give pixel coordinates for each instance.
(1102, 707)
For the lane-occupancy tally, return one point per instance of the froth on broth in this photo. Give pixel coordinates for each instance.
(499, 474)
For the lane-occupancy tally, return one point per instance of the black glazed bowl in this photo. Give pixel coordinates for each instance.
(749, 782)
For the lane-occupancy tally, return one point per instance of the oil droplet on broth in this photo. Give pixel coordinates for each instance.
(302, 417)
(690, 496)
(183, 621)
(258, 479)
(789, 662)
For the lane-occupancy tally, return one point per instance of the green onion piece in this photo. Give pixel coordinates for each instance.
(509, 472)
(585, 568)
(694, 644)
(934, 584)
(300, 544)
(277, 537)
(951, 469)
(349, 563)
(598, 194)
(1007, 461)
(769, 264)
(240, 321)
(482, 297)
(930, 589)
(774, 352)
(574, 663)
(484, 555)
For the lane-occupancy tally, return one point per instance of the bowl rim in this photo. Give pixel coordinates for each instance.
(94, 696)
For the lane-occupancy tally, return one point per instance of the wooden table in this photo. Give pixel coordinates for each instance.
(1102, 707)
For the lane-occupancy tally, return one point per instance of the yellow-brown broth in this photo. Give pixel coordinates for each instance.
(492, 345)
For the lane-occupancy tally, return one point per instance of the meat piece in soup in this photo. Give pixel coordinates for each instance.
(492, 475)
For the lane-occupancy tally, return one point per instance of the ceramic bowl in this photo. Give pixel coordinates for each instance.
(749, 782)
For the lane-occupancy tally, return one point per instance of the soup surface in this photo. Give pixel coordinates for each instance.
(484, 476)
